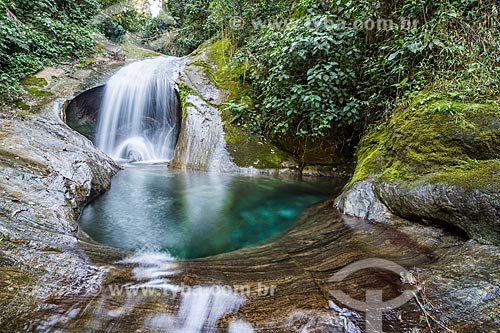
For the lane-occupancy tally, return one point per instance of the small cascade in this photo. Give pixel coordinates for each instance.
(139, 117)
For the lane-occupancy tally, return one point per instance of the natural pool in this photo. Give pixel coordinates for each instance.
(196, 214)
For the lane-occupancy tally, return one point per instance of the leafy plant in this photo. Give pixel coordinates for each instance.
(305, 78)
(34, 34)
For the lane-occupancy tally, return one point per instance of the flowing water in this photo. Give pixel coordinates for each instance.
(162, 214)
(195, 214)
(139, 117)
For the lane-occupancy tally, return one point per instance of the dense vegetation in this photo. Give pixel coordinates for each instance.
(34, 34)
(313, 69)
(321, 66)
(352, 75)
(37, 33)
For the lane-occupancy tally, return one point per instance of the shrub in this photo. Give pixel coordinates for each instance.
(38, 33)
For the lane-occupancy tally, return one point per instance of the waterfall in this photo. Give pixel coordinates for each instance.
(139, 116)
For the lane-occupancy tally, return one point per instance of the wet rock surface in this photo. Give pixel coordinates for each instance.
(297, 266)
(47, 173)
(284, 285)
(201, 144)
(81, 113)
(470, 210)
(457, 289)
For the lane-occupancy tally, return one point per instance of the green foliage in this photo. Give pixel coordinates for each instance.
(200, 20)
(320, 73)
(122, 17)
(454, 43)
(240, 20)
(306, 79)
(34, 34)
(113, 30)
(193, 25)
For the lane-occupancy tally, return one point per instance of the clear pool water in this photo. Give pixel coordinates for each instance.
(196, 214)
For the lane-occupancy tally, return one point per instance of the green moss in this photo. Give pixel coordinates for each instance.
(99, 48)
(249, 150)
(486, 144)
(135, 52)
(34, 81)
(370, 155)
(431, 134)
(202, 64)
(435, 135)
(184, 91)
(23, 114)
(150, 54)
(85, 62)
(226, 74)
(37, 92)
(21, 105)
(482, 175)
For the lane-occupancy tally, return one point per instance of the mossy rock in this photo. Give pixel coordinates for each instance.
(371, 155)
(247, 149)
(209, 65)
(437, 161)
(38, 93)
(21, 105)
(34, 81)
(133, 51)
(431, 135)
(476, 175)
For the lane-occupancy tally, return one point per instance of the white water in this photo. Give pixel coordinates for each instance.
(138, 120)
(200, 308)
(155, 7)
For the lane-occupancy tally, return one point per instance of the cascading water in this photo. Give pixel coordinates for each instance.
(139, 117)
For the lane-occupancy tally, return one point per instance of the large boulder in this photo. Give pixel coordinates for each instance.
(436, 161)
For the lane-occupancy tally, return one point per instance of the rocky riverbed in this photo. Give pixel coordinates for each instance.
(55, 279)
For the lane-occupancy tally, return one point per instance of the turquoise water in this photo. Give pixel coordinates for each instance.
(195, 214)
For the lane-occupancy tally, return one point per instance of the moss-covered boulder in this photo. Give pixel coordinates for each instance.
(435, 161)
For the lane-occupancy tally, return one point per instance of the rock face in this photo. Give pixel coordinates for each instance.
(360, 200)
(435, 162)
(48, 172)
(201, 144)
(82, 111)
(473, 211)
